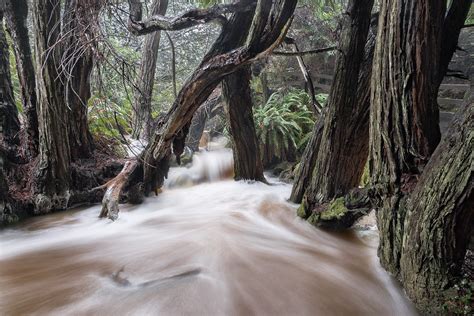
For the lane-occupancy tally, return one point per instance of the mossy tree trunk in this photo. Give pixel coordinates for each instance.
(404, 127)
(9, 122)
(142, 113)
(16, 20)
(334, 159)
(440, 216)
(53, 175)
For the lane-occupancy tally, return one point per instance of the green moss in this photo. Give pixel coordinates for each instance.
(336, 209)
(364, 181)
(314, 219)
(301, 212)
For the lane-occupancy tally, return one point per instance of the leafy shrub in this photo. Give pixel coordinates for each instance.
(284, 125)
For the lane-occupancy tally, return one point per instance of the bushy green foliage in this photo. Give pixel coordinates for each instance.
(107, 118)
(284, 123)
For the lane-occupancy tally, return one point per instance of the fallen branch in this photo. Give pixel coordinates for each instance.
(115, 187)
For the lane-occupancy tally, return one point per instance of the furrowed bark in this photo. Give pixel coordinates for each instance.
(16, 19)
(342, 153)
(334, 159)
(238, 105)
(247, 161)
(440, 216)
(404, 127)
(9, 123)
(142, 118)
(53, 177)
(79, 54)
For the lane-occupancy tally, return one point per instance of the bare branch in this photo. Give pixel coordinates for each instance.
(306, 52)
(186, 20)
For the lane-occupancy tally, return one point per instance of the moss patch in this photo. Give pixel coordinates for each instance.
(335, 210)
(301, 212)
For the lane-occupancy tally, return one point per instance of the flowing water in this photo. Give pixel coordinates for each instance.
(200, 248)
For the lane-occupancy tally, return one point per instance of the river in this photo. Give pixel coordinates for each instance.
(206, 245)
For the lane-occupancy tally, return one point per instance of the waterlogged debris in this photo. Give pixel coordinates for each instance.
(124, 282)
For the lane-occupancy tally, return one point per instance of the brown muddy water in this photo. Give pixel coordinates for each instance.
(200, 248)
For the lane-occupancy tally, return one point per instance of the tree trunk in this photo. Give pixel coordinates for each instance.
(16, 18)
(238, 106)
(404, 127)
(9, 123)
(306, 166)
(440, 215)
(77, 63)
(53, 176)
(340, 156)
(142, 117)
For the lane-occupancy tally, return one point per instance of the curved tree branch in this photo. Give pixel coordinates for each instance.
(186, 20)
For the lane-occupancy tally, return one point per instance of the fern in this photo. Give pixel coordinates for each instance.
(284, 124)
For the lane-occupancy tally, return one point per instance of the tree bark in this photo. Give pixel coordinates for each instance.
(440, 214)
(9, 123)
(16, 18)
(247, 161)
(142, 117)
(334, 160)
(77, 63)
(404, 127)
(238, 105)
(53, 177)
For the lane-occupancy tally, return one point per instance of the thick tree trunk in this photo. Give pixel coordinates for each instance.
(53, 176)
(142, 117)
(439, 217)
(77, 62)
(334, 161)
(9, 123)
(238, 106)
(16, 18)
(404, 127)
